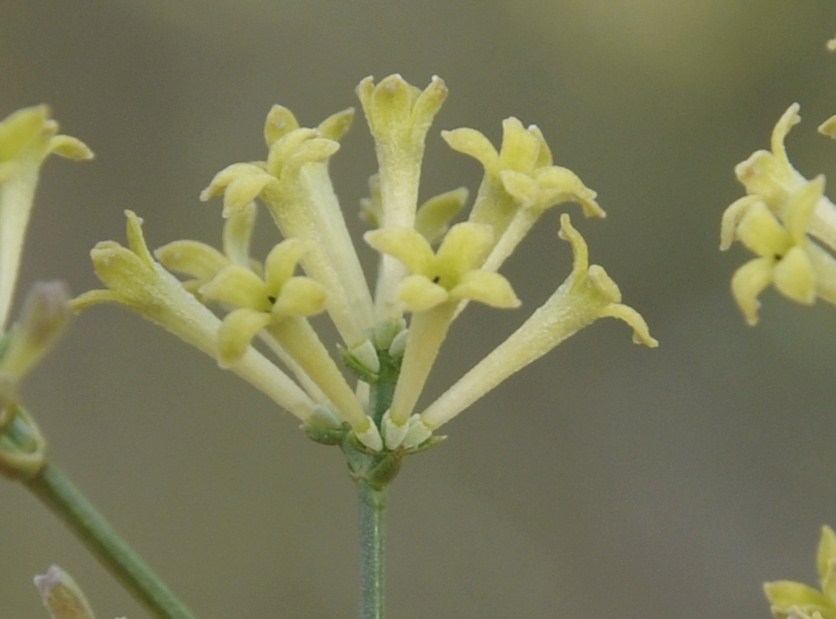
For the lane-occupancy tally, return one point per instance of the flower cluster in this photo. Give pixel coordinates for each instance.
(429, 270)
(787, 221)
(795, 600)
(27, 138)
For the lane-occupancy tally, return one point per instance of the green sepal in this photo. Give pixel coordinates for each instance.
(327, 436)
(429, 443)
(357, 368)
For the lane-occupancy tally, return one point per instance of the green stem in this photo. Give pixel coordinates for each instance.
(59, 494)
(372, 547)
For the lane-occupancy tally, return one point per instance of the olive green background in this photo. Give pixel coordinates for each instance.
(606, 480)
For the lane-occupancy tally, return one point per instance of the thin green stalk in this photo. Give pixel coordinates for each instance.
(372, 547)
(52, 487)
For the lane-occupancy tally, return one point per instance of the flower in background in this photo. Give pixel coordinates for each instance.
(429, 269)
(27, 138)
(795, 600)
(787, 221)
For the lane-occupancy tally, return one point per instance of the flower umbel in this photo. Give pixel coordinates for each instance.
(390, 355)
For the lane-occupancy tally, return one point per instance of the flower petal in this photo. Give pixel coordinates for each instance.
(405, 244)
(760, 231)
(748, 282)
(473, 143)
(237, 330)
(486, 287)
(191, 258)
(418, 293)
(463, 249)
(300, 296)
(281, 263)
(786, 593)
(239, 287)
(794, 277)
(825, 552)
(434, 215)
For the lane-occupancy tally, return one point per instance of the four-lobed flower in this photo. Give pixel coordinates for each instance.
(788, 222)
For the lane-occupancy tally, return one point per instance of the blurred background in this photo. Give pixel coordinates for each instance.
(605, 480)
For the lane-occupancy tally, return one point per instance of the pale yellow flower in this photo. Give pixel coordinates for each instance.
(451, 274)
(399, 116)
(134, 280)
(278, 304)
(587, 295)
(782, 220)
(294, 185)
(27, 138)
(520, 183)
(436, 285)
(789, 599)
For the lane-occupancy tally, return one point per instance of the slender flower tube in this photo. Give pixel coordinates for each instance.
(399, 116)
(437, 284)
(788, 222)
(520, 183)
(587, 295)
(27, 138)
(136, 281)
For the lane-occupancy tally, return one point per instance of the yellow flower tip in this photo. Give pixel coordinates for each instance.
(394, 107)
(337, 125)
(826, 552)
(732, 217)
(795, 600)
(280, 121)
(831, 45)
(434, 215)
(788, 120)
(240, 184)
(641, 332)
(24, 129)
(30, 133)
(828, 127)
(580, 250)
(475, 144)
(70, 148)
